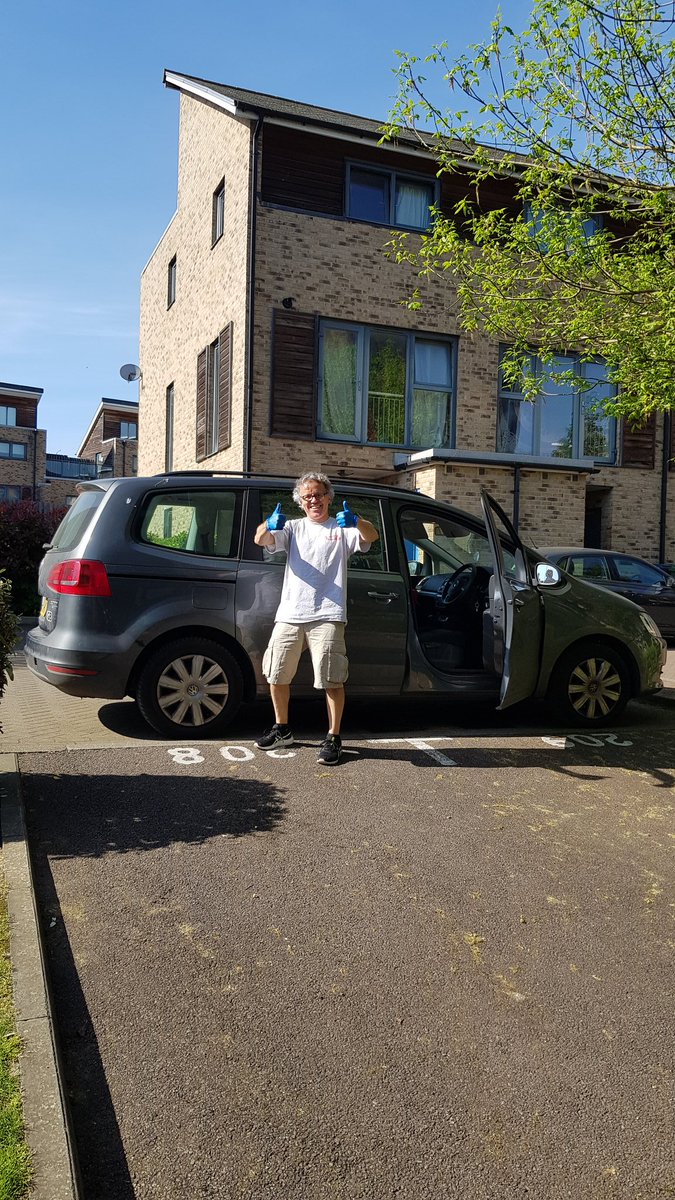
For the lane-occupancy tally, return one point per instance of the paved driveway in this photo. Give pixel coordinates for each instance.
(436, 971)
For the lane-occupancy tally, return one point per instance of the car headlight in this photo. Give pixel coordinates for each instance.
(650, 624)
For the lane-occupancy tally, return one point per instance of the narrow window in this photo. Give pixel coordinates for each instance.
(168, 440)
(212, 390)
(218, 213)
(171, 283)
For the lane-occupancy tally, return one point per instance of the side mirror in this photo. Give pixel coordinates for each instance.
(547, 575)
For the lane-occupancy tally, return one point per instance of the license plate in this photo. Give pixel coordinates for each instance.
(48, 610)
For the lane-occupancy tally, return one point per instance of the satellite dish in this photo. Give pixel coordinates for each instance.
(130, 372)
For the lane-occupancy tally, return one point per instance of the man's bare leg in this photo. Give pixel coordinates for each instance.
(335, 703)
(281, 694)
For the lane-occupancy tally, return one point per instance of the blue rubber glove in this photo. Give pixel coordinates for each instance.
(277, 520)
(347, 519)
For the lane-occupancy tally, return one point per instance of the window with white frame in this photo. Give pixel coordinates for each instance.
(218, 213)
(386, 197)
(389, 387)
(171, 283)
(7, 415)
(13, 450)
(567, 420)
(128, 429)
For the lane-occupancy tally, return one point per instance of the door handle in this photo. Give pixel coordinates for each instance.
(383, 596)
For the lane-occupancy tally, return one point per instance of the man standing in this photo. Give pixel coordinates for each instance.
(313, 607)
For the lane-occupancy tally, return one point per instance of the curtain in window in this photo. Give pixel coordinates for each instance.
(412, 204)
(515, 426)
(339, 382)
(430, 419)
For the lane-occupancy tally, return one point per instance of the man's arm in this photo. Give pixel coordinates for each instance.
(264, 536)
(367, 533)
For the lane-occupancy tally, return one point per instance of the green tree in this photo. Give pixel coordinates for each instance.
(576, 121)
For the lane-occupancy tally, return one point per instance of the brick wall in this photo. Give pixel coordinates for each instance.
(210, 289)
(334, 268)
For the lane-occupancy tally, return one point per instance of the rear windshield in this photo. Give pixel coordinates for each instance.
(77, 520)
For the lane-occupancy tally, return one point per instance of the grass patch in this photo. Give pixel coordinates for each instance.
(15, 1159)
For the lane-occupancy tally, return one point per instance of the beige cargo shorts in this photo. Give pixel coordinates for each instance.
(326, 643)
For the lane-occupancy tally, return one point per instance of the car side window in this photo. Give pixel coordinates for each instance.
(439, 545)
(588, 566)
(631, 570)
(202, 521)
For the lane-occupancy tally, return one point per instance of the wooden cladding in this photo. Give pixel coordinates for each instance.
(214, 396)
(639, 444)
(294, 373)
(26, 411)
(308, 171)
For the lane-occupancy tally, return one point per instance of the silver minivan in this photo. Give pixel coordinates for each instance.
(154, 588)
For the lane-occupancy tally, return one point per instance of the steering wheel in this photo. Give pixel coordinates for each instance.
(458, 585)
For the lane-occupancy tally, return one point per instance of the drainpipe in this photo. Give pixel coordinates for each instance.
(516, 496)
(250, 294)
(667, 423)
(35, 440)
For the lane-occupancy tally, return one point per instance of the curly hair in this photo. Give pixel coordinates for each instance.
(312, 477)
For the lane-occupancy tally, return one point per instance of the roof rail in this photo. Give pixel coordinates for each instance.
(336, 479)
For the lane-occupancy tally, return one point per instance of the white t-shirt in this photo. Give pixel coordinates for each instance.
(315, 579)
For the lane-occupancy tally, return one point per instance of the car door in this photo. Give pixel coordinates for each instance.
(377, 608)
(515, 610)
(647, 586)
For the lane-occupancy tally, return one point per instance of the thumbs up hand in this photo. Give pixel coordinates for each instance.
(347, 519)
(276, 520)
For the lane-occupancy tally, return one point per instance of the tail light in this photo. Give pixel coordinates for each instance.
(79, 577)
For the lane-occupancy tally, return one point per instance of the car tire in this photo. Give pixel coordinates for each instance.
(590, 685)
(191, 687)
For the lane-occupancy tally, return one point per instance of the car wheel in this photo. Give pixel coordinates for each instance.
(190, 688)
(590, 685)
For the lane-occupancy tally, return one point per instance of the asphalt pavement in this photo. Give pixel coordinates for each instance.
(441, 970)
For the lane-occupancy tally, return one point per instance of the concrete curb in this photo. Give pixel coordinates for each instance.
(44, 1105)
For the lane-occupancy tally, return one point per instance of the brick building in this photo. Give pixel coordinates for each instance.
(111, 440)
(28, 471)
(22, 444)
(273, 337)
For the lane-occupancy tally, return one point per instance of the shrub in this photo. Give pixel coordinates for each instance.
(9, 628)
(24, 528)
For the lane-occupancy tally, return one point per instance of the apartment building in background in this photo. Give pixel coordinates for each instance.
(28, 471)
(111, 440)
(274, 337)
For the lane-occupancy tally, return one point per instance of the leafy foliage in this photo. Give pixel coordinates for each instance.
(24, 528)
(576, 120)
(8, 633)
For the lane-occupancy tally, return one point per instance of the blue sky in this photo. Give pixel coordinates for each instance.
(88, 143)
